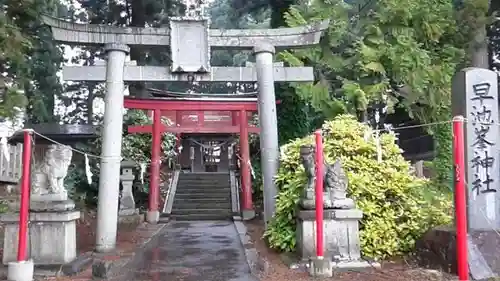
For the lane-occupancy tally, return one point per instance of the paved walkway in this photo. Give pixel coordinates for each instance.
(193, 251)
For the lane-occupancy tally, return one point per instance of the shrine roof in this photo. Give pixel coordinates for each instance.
(65, 134)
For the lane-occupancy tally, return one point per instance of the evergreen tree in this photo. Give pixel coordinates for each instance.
(494, 34)
(13, 62)
(31, 58)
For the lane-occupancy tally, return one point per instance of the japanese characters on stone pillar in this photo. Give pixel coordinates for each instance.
(475, 96)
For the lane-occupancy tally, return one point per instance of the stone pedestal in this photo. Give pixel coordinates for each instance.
(50, 197)
(51, 235)
(340, 230)
(341, 237)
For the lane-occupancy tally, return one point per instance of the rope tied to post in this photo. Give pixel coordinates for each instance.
(249, 163)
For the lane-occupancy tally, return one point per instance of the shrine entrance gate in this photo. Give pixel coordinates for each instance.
(197, 122)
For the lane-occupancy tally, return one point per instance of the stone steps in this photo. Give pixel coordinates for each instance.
(201, 185)
(205, 205)
(202, 189)
(202, 196)
(203, 200)
(221, 196)
(201, 217)
(205, 179)
(204, 176)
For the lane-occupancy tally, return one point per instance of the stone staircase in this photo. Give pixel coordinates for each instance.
(202, 196)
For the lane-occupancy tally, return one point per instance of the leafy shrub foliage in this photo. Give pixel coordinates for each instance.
(442, 164)
(135, 147)
(396, 205)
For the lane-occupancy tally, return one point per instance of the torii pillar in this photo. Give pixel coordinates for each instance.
(109, 176)
(247, 209)
(269, 147)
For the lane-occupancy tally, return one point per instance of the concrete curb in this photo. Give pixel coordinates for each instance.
(104, 267)
(258, 265)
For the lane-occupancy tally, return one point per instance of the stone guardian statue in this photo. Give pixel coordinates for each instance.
(49, 174)
(335, 183)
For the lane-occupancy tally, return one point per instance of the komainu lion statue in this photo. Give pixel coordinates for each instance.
(335, 182)
(48, 176)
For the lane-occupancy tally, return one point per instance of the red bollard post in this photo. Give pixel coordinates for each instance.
(22, 253)
(319, 193)
(460, 198)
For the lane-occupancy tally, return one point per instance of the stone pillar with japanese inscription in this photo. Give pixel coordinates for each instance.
(475, 96)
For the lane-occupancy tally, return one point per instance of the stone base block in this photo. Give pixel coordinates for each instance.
(20, 271)
(354, 265)
(153, 217)
(134, 218)
(50, 197)
(51, 237)
(437, 249)
(128, 212)
(320, 267)
(310, 204)
(46, 206)
(341, 234)
(247, 214)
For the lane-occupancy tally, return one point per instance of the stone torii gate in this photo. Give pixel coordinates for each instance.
(190, 41)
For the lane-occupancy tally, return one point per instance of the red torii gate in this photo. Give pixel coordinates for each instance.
(175, 109)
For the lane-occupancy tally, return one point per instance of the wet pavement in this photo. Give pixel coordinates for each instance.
(192, 251)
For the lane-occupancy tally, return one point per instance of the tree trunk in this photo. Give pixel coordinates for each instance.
(480, 55)
(90, 105)
(479, 49)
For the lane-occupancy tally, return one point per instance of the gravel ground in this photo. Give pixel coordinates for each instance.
(87, 225)
(402, 270)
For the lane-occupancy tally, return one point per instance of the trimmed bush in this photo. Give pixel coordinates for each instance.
(398, 207)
